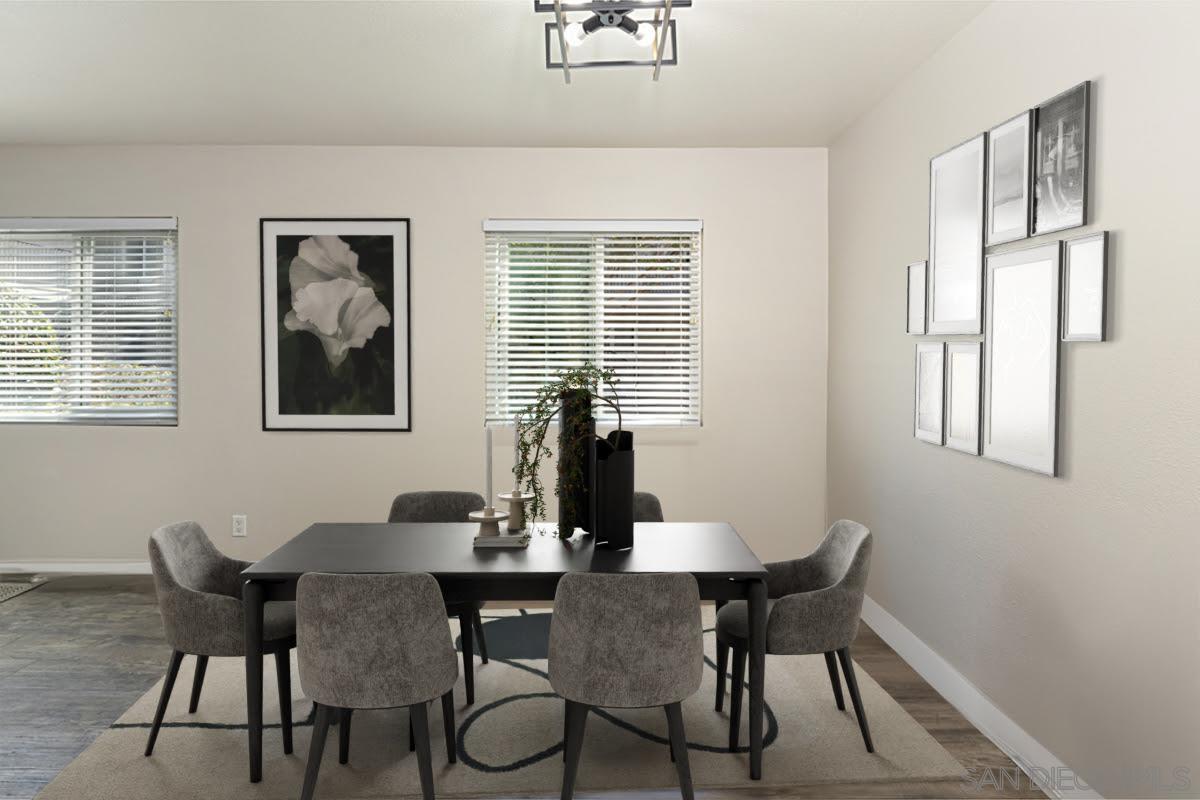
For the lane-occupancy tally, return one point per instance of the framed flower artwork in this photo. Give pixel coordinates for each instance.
(335, 324)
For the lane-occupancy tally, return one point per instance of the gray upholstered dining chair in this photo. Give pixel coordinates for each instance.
(646, 508)
(200, 598)
(374, 641)
(814, 605)
(445, 506)
(625, 641)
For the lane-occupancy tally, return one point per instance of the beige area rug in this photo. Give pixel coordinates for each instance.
(510, 740)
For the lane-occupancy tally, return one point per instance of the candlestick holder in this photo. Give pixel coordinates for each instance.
(489, 520)
(516, 500)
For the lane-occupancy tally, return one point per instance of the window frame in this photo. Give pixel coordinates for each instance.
(80, 228)
(690, 409)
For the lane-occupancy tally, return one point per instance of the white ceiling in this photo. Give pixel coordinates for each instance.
(444, 72)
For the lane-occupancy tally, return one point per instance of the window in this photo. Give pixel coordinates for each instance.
(624, 295)
(87, 321)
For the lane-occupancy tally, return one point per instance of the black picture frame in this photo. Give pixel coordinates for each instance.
(400, 231)
(1072, 106)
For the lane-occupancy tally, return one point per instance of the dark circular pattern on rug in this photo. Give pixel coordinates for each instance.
(526, 637)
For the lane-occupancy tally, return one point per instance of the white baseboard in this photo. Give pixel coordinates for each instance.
(91, 567)
(1049, 773)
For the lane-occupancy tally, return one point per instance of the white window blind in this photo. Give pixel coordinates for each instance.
(622, 294)
(87, 321)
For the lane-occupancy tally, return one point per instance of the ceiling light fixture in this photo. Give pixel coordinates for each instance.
(617, 15)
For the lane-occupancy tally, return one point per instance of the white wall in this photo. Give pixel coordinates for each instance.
(1071, 602)
(74, 493)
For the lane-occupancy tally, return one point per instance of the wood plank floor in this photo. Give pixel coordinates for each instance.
(77, 651)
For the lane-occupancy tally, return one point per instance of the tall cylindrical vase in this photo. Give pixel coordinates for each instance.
(614, 492)
(576, 462)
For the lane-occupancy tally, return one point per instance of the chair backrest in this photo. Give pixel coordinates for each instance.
(181, 554)
(819, 598)
(844, 556)
(199, 591)
(626, 641)
(434, 506)
(646, 508)
(373, 641)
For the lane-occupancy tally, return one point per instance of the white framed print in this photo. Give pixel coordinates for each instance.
(916, 299)
(335, 324)
(927, 402)
(1009, 182)
(1085, 298)
(956, 221)
(1020, 387)
(963, 376)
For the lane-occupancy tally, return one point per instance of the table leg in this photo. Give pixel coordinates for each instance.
(253, 601)
(757, 602)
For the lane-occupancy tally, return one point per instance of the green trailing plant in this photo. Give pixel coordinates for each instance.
(581, 386)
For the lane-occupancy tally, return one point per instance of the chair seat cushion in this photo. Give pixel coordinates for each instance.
(793, 628)
(279, 621)
(733, 620)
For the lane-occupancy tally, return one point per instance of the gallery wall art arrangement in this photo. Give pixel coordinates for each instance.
(1023, 178)
(335, 324)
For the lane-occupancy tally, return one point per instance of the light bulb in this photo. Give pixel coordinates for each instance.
(574, 34)
(644, 35)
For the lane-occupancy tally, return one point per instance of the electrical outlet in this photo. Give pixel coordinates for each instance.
(239, 524)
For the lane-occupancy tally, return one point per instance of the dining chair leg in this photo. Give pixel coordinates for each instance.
(448, 724)
(344, 736)
(679, 749)
(670, 741)
(855, 699)
(468, 654)
(412, 737)
(283, 677)
(737, 688)
(420, 724)
(316, 750)
(576, 721)
(198, 683)
(566, 727)
(831, 665)
(722, 668)
(477, 622)
(164, 698)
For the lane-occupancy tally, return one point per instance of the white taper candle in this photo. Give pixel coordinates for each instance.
(487, 460)
(516, 451)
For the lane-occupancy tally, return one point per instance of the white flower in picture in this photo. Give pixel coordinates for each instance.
(331, 299)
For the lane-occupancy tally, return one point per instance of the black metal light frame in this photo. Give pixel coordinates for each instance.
(624, 8)
(551, 63)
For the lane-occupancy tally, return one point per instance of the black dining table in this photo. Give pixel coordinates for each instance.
(724, 566)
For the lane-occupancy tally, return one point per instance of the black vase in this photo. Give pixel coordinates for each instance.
(614, 491)
(576, 445)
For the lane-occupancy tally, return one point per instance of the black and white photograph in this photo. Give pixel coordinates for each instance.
(956, 217)
(1008, 179)
(1061, 161)
(1020, 417)
(1085, 275)
(335, 324)
(915, 324)
(927, 402)
(962, 396)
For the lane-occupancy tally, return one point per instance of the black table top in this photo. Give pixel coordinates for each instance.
(705, 549)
